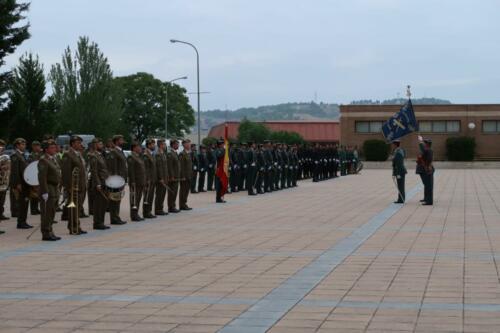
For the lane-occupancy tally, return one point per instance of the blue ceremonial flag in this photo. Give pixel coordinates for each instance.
(401, 124)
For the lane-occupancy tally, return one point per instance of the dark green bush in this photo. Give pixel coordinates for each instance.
(376, 150)
(460, 148)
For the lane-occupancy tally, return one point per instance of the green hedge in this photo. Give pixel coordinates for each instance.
(460, 148)
(376, 150)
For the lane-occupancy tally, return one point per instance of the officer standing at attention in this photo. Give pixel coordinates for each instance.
(426, 170)
(49, 178)
(117, 165)
(203, 167)
(137, 179)
(151, 178)
(399, 170)
(195, 166)
(162, 178)
(74, 179)
(91, 192)
(186, 174)
(173, 176)
(251, 171)
(211, 160)
(18, 186)
(98, 174)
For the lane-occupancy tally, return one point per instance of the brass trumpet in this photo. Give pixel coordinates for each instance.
(133, 196)
(73, 204)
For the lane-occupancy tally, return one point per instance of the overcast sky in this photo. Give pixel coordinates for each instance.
(267, 52)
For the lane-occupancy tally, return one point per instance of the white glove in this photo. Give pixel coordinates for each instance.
(45, 196)
(420, 138)
(398, 177)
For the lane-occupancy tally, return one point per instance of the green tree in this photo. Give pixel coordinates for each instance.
(143, 107)
(209, 140)
(289, 138)
(11, 36)
(27, 113)
(251, 131)
(84, 93)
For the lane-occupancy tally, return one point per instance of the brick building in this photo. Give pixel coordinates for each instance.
(438, 122)
(313, 131)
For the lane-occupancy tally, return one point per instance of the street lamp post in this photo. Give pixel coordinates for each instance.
(198, 81)
(166, 102)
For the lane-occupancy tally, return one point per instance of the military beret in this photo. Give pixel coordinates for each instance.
(19, 141)
(2, 143)
(75, 138)
(35, 143)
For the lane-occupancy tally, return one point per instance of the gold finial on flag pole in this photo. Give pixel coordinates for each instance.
(408, 91)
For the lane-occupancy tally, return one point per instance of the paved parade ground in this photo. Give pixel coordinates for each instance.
(335, 256)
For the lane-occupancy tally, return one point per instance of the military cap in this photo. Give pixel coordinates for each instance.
(173, 141)
(193, 145)
(186, 141)
(47, 143)
(267, 141)
(160, 141)
(35, 143)
(2, 143)
(220, 142)
(19, 141)
(75, 138)
(428, 140)
(96, 140)
(244, 144)
(150, 141)
(202, 146)
(117, 137)
(134, 144)
(396, 141)
(250, 143)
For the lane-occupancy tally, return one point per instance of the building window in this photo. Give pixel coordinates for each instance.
(439, 126)
(491, 126)
(368, 126)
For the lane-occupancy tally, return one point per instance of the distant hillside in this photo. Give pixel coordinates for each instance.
(287, 111)
(416, 101)
(296, 111)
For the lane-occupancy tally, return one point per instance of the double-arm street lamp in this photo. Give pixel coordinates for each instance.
(166, 102)
(198, 81)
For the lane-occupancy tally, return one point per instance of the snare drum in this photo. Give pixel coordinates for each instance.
(114, 187)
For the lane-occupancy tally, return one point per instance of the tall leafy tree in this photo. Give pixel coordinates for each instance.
(84, 93)
(28, 115)
(251, 131)
(12, 34)
(143, 107)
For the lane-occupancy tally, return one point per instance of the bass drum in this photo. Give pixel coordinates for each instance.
(31, 174)
(114, 187)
